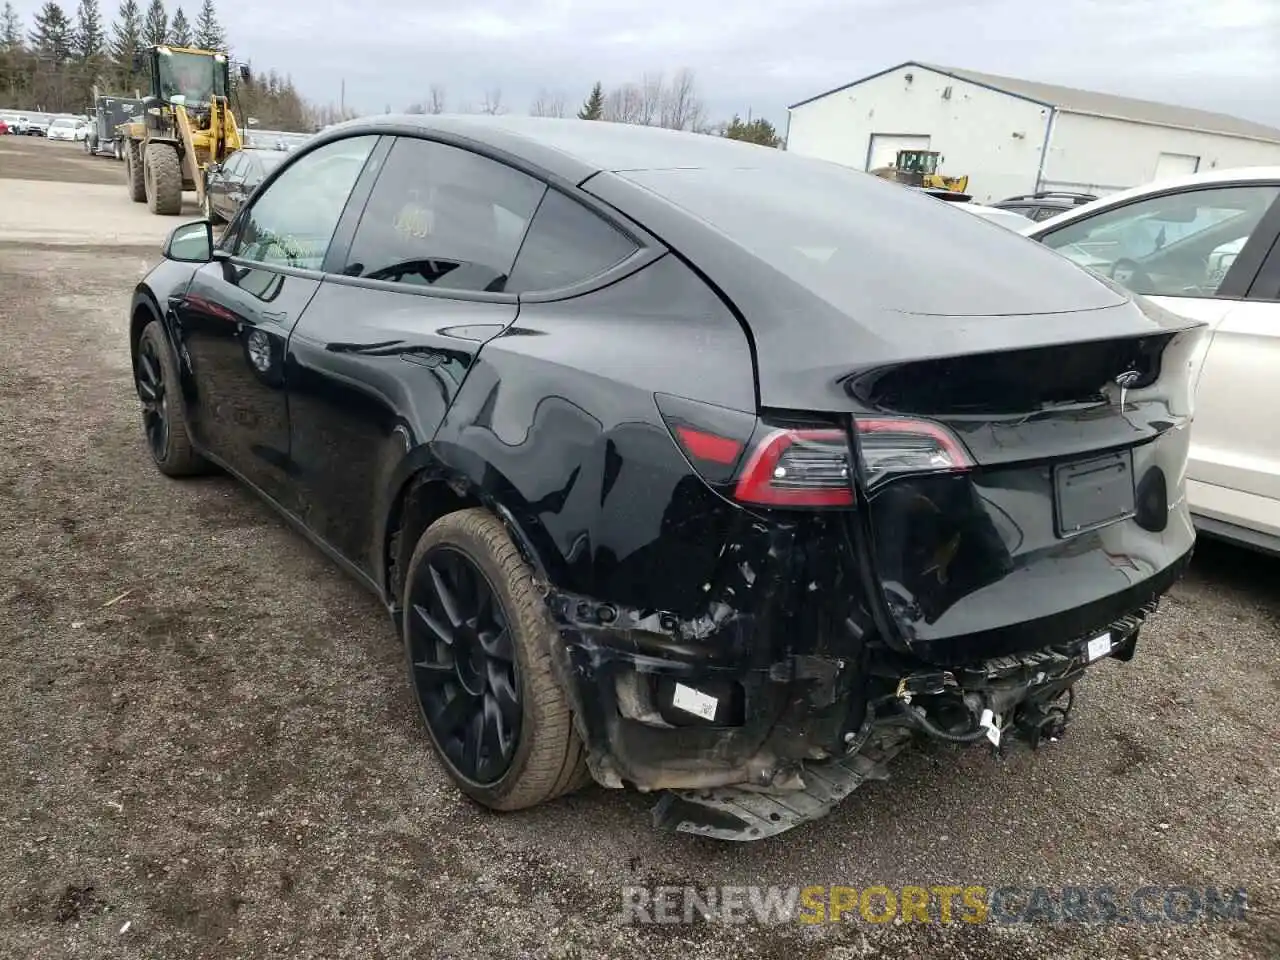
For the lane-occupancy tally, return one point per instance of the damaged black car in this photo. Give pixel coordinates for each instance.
(675, 462)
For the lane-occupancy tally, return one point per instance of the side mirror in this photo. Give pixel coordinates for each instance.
(244, 72)
(190, 243)
(139, 63)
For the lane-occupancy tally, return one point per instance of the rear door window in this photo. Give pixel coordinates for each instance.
(567, 244)
(443, 218)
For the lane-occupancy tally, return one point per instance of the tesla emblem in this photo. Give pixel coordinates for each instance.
(1124, 381)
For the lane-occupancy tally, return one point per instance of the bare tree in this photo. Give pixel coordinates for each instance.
(624, 104)
(682, 109)
(656, 102)
(548, 105)
(415, 108)
(436, 98)
(492, 102)
(652, 96)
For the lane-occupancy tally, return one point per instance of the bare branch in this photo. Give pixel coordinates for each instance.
(682, 109)
(436, 99)
(492, 102)
(548, 105)
(656, 102)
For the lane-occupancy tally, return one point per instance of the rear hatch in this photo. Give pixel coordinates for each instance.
(1020, 427)
(1025, 497)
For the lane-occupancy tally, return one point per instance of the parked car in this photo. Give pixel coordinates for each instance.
(38, 124)
(4, 127)
(17, 123)
(1006, 218)
(1045, 204)
(672, 472)
(231, 183)
(1205, 247)
(273, 139)
(66, 128)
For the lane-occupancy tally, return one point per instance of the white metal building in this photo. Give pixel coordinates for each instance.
(1015, 136)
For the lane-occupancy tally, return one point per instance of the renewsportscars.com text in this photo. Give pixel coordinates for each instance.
(944, 904)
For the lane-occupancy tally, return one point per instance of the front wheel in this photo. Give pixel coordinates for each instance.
(164, 417)
(478, 640)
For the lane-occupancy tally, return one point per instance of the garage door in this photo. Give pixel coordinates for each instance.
(885, 146)
(1175, 165)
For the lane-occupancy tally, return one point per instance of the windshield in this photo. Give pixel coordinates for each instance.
(192, 76)
(63, 123)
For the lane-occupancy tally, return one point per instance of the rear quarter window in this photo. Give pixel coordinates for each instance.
(566, 244)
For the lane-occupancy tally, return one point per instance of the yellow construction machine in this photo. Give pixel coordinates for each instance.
(185, 124)
(919, 168)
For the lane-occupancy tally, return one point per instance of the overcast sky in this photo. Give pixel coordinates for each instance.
(748, 55)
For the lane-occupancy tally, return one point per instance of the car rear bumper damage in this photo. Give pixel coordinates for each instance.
(746, 752)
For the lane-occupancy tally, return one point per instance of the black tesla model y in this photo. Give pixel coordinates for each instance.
(675, 462)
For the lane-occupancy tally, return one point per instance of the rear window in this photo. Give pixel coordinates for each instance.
(864, 244)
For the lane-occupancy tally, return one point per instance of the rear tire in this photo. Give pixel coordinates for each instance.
(503, 647)
(133, 172)
(164, 414)
(162, 175)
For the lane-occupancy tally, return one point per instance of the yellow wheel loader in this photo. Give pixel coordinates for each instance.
(185, 124)
(919, 168)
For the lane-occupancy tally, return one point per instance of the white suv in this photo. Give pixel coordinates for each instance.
(1206, 246)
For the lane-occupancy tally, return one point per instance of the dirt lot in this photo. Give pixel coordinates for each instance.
(211, 749)
(32, 158)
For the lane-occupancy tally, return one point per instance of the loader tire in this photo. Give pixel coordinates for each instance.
(162, 172)
(133, 172)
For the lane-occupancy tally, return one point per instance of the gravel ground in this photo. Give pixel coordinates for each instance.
(35, 158)
(212, 751)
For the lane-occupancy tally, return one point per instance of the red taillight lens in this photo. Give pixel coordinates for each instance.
(798, 468)
(893, 445)
(707, 447)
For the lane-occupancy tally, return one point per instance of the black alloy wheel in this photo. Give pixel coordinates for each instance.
(151, 391)
(164, 415)
(465, 672)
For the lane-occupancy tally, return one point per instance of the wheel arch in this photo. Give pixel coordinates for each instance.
(142, 310)
(432, 483)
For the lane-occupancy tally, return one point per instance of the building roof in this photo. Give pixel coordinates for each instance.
(1089, 102)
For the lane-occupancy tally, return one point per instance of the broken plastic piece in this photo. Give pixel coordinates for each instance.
(989, 722)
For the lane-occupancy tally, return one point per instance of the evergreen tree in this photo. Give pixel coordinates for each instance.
(51, 35)
(10, 28)
(759, 131)
(209, 32)
(126, 41)
(593, 109)
(89, 39)
(155, 30)
(180, 34)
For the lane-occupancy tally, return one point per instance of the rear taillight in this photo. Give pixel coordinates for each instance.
(894, 445)
(798, 468)
(811, 466)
